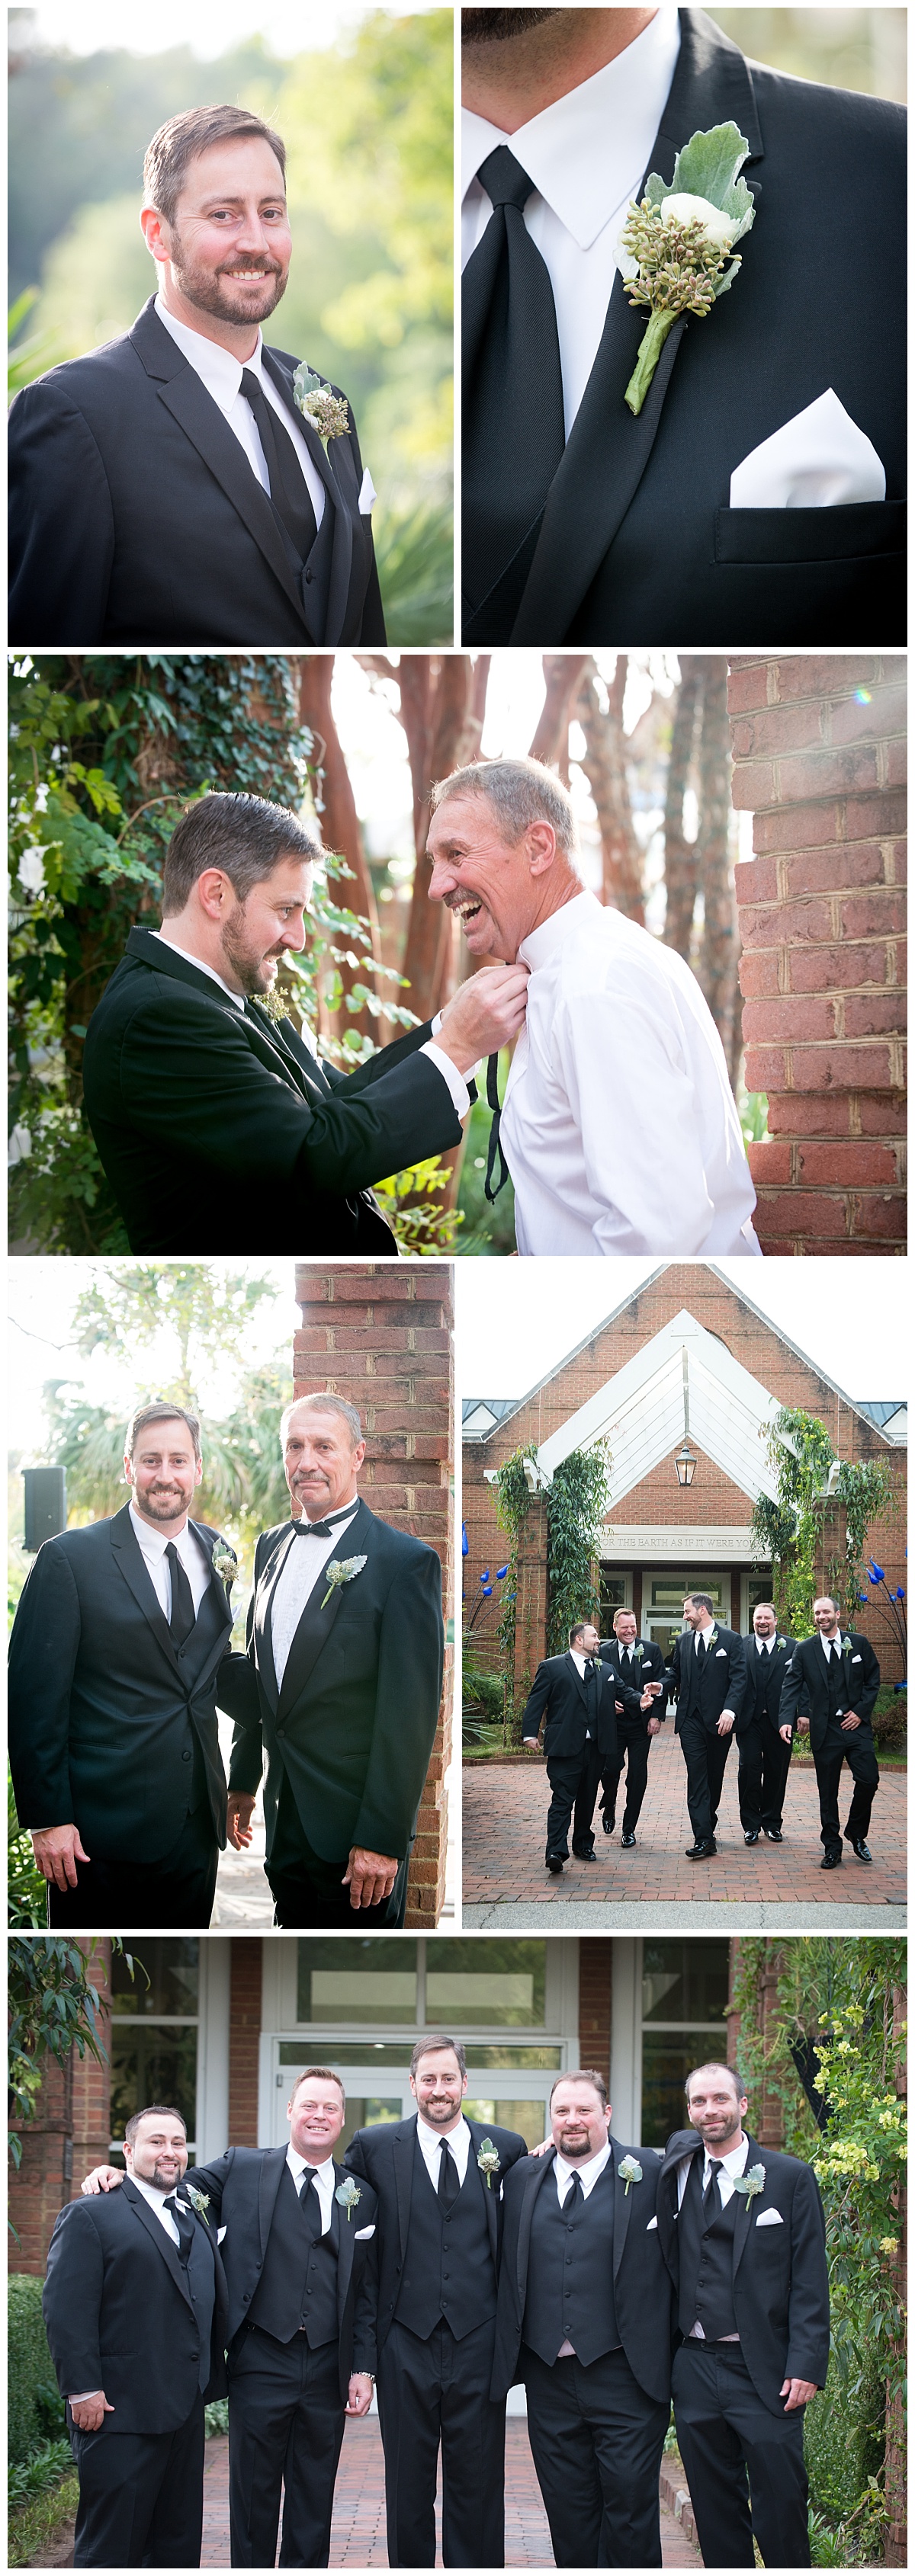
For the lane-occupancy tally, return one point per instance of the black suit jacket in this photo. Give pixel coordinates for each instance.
(808, 1673)
(384, 2157)
(779, 1661)
(641, 2286)
(119, 2315)
(213, 1124)
(559, 1694)
(242, 2186)
(780, 2280)
(650, 1668)
(137, 520)
(723, 1677)
(638, 543)
(103, 1711)
(354, 1723)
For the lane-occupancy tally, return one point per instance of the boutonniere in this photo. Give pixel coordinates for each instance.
(488, 2160)
(344, 1571)
(678, 241)
(323, 410)
(638, 1652)
(712, 1639)
(846, 1645)
(630, 2172)
(225, 1563)
(200, 2200)
(781, 1641)
(751, 2183)
(348, 2194)
(273, 1004)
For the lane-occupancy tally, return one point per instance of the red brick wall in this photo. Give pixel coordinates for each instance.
(595, 2004)
(819, 745)
(382, 1333)
(765, 2117)
(71, 2131)
(244, 2035)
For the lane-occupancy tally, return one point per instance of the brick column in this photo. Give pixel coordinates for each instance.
(244, 2039)
(765, 2117)
(70, 2132)
(819, 749)
(382, 1334)
(595, 2004)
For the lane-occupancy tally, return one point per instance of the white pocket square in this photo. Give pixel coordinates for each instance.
(722, 1652)
(651, 2223)
(770, 2218)
(367, 495)
(364, 2231)
(856, 1659)
(220, 2232)
(815, 461)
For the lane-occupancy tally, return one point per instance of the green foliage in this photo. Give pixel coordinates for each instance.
(487, 1230)
(865, 1490)
(34, 2477)
(792, 1527)
(52, 2006)
(34, 2408)
(216, 2417)
(483, 1710)
(27, 358)
(576, 1503)
(415, 554)
(407, 1201)
(513, 1502)
(36, 2527)
(707, 167)
(27, 1897)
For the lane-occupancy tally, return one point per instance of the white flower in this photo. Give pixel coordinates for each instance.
(343, 1571)
(630, 2172)
(20, 1144)
(30, 868)
(683, 209)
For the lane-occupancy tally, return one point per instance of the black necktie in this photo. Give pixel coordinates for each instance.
(184, 2223)
(183, 1615)
(710, 2201)
(700, 1649)
(322, 1529)
(514, 429)
(495, 1141)
(309, 2202)
(575, 2198)
(288, 489)
(447, 2175)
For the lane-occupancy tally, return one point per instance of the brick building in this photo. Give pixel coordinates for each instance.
(819, 747)
(687, 1360)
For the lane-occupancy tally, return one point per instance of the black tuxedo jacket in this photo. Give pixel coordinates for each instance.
(136, 519)
(641, 2286)
(778, 1662)
(559, 1694)
(780, 2280)
(212, 1123)
(242, 2186)
(650, 1668)
(808, 1673)
(638, 543)
(354, 1723)
(384, 2157)
(103, 1710)
(119, 2315)
(723, 1677)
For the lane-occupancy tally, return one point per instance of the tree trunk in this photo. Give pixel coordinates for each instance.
(562, 673)
(341, 828)
(718, 956)
(604, 765)
(681, 858)
(443, 732)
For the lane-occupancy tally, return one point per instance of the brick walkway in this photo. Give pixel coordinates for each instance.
(357, 2538)
(505, 1808)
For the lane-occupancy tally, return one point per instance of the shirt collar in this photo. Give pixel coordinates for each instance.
(435, 2136)
(220, 371)
(153, 1541)
(297, 2163)
(587, 152)
(589, 2164)
(551, 935)
(151, 2191)
(237, 998)
(733, 2164)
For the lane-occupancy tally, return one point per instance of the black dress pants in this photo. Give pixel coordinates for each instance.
(286, 2419)
(727, 2439)
(434, 2392)
(597, 2442)
(140, 2496)
(705, 1753)
(857, 1749)
(764, 1762)
(170, 1895)
(635, 1743)
(573, 1779)
(308, 1892)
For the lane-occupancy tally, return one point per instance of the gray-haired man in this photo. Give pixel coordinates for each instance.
(619, 1124)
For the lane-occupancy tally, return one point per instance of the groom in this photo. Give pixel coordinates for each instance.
(340, 1687)
(166, 489)
(758, 496)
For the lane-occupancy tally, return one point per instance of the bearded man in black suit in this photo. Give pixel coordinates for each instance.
(743, 2234)
(585, 2320)
(201, 1097)
(708, 1672)
(135, 2308)
(763, 1739)
(169, 489)
(571, 1692)
(340, 1686)
(439, 2180)
(114, 1671)
(831, 1685)
(635, 1662)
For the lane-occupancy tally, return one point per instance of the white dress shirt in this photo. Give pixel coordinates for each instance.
(156, 2199)
(588, 2173)
(764, 1645)
(324, 2177)
(221, 375)
(619, 1125)
(735, 2163)
(430, 2140)
(152, 1544)
(828, 1643)
(586, 155)
(296, 1583)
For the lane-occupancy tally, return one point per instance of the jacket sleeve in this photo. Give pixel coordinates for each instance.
(537, 1702)
(237, 1693)
(793, 1686)
(72, 2300)
(354, 2159)
(365, 2304)
(43, 1651)
(737, 1673)
(211, 2179)
(411, 1650)
(808, 2301)
(866, 1697)
(61, 522)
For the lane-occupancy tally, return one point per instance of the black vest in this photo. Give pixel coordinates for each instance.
(208, 1627)
(768, 1677)
(570, 2272)
(200, 2275)
(449, 2271)
(706, 2260)
(297, 2290)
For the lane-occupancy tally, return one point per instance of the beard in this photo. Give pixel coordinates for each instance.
(255, 968)
(208, 293)
(492, 26)
(162, 1507)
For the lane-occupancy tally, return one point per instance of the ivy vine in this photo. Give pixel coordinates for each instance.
(513, 1502)
(792, 1526)
(575, 1503)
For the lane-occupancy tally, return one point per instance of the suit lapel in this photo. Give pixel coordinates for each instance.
(535, 2181)
(128, 1558)
(622, 2200)
(745, 2220)
(158, 2236)
(342, 503)
(345, 2247)
(404, 2145)
(607, 450)
(319, 1613)
(576, 1677)
(491, 2197)
(218, 1597)
(263, 1617)
(269, 2180)
(183, 394)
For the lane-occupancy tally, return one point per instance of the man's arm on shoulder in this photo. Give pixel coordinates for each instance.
(407, 1695)
(62, 533)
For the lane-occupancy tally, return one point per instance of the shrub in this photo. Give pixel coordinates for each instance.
(843, 2444)
(35, 2410)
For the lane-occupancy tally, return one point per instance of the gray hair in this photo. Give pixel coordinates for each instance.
(520, 792)
(323, 1403)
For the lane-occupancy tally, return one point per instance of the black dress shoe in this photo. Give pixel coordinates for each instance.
(627, 1842)
(753, 1836)
(859, 1846)
(584, 1855)
(556, 1867)
(831, 1860)
(608, 1823)
(702, 1851)
(773, 1833)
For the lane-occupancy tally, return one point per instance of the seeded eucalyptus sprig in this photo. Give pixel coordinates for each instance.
(678, 241)
(317, 404)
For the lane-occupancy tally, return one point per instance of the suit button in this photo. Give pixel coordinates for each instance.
(309, 576)
(246, 2296)
(181, 1654)
(185, 1757)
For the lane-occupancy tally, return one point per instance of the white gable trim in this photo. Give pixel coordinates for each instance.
(683, 1371)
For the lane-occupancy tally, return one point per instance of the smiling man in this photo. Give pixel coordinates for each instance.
(167, 489)
(213, 1116)
(619, 1124)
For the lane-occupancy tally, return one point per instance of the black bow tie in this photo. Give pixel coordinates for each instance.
(323, 1529)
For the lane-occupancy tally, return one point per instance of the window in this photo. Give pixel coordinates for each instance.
(155, 2020)
(421, 1984)
(357, 1981)
(615, 1594)
(684, 2008)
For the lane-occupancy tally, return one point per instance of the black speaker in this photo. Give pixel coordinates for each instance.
(45, 1505)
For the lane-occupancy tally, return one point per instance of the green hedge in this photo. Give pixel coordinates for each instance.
(34, 2408)
(843, 2444)
(890, 1716)
(483, 1693)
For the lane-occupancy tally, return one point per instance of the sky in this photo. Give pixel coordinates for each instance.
(518, 1319)
(41, 1297)
(288, 26)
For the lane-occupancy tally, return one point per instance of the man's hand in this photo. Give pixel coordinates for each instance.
(850, 1722)
(483, 1015)
(101, 2178)
(803, 1726)
(370, 1877)
(531, 1743)
(654, 1726)
(57, 1849)
(654, 1689)
(543, 2149)
(360, 2393)
(89, 2412)
(646, 1700)
(726, 1721)
(785, 1733)
(239, 1811)
(797, 2392)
